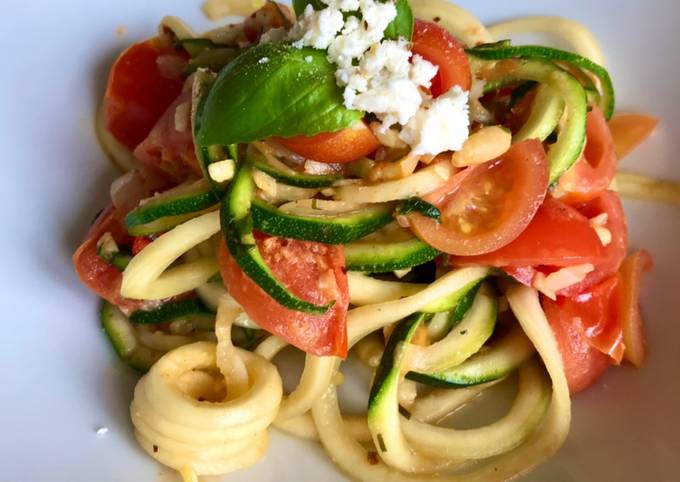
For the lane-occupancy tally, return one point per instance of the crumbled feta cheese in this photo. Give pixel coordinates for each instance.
(317, 28)
(549, 285)
(442, 124)
(222, 171)
(309, 59)
(263, 60)
(343, 5)
(394, 100)
(422, 72)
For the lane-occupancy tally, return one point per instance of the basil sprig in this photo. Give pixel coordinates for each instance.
(273, 90)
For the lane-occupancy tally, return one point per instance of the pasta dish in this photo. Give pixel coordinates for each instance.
(391, 181)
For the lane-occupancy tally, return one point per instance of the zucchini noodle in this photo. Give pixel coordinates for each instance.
(118, 153)
(581, 40)
(453, 18)
(646, 188)
(147, 276)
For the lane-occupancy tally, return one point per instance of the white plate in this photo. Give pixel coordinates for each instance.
(60, 381)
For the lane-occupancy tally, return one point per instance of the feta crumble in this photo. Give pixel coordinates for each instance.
(442, 124)
(317, 28)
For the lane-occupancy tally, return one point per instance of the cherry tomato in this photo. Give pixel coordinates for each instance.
(591, 175)
(614, 253)
(139, 243)
(95, 273)
(344, 146)
(491, 206)
(630, 130)
(631, 319)
(313, 271)
(169, 147)
(558, 235)
(137, 92)
(583, 364)
(438, 46)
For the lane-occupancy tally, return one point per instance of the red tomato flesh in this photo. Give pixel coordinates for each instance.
(312, 271)
(631, 320)
(137, 92)
(558, 235)
(491, 206)
(344, 146)
(583, 364)
(631, 130)
(438, 46)
(95, 273)
(591, 175)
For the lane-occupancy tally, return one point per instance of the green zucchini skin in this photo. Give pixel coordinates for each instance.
(388, 371)
(291, 178)
(171, 311)
(170, 208)
(237, 229)
(572, 136)
(420, 206)
(502, 358)
(328, 229)
(121, 334)
(607, 97)
(387, 257)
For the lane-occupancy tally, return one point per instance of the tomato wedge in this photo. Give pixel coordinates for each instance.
(631, 319)
(137, 92)
(95, 273)
(558, 235)
(631, 130)
(344, 146)
(169, 147)
(583, 364)
(313, 271)
(491, 206)
(437, 45)
(614, 253)
(591, 175)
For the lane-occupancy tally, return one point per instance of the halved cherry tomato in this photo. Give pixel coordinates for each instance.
(631, 319)
(95, 273)
(583, 364)
(169, 147)
(313, 271)
(491, 206)
(593, 173)
(558, 235)
(614, 253)
(438, 46)
(137, 92)
(630, 130)
(346, 145)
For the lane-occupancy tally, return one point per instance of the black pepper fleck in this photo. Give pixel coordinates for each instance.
(155, 449)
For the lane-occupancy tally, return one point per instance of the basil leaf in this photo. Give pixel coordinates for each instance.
(401, 26)
(300, 5)
(273, 90)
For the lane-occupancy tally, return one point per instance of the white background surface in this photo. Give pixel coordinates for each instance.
(60, 381)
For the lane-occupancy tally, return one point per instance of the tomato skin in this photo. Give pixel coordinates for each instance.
(301, 266)
(139, 243)
(591, 175)
(491, 206)
(631, 320)
(583, 364)
(438, 46)
(167, 150)
(95, 273)
(344, 146)
(558, 235)
(630, 130)
(137, 93)
(614, 253)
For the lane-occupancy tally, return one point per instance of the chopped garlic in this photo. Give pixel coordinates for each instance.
(222, 171)
(182, 116)
(400, 273)
(549, 285)
(598, 223)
